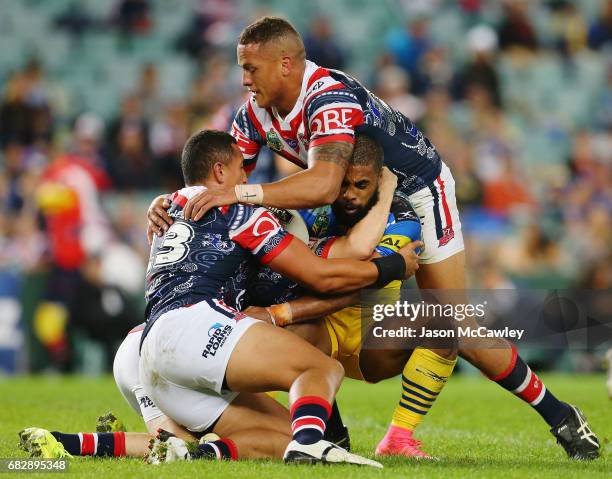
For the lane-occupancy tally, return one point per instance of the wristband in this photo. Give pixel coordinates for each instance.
(390, 268)
(249, 194)
(281, 314)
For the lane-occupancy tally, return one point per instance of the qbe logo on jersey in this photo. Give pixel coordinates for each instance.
(218, 334)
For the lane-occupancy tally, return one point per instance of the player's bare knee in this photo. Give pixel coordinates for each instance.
(338, 370)
(331, 365)
(334, 371)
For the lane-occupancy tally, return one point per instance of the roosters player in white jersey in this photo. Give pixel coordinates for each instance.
(309, 115)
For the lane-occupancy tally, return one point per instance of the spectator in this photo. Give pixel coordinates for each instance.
(435, 70)
(13, 157)
(534, 254)
(148, 92)
(167, 138)
(212, 27)
(516, 30)
(393, 86)
(24, 116)
(211, 90)
(507, 191)
(480, 68)
(101, 310)
(569, 28)
(600, 32)
(87, 137)
(408, 46)
(69, 198)
(75, 20)
(321, 45)
(130, 162)
(468, 187)
(602, 115)
(133, 17)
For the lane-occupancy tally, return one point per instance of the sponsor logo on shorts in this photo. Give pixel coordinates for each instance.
(217, 334)
(448, 235)
(146, 402)
(213, 328)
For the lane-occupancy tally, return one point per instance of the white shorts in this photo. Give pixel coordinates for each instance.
(127, 378)
(441, 228)
(183, 361)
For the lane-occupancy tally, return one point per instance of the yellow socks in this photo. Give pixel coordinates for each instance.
(424, 376)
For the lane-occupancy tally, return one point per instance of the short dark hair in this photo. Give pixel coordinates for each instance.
(202, 151)
(367, 151)
(267, 29)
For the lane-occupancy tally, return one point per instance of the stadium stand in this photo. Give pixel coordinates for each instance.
(97, 99)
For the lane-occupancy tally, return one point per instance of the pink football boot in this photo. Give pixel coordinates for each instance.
(399, 442)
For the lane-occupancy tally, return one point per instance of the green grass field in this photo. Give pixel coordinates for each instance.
(476, 428)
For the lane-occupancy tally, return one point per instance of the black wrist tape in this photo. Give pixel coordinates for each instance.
(390, 268)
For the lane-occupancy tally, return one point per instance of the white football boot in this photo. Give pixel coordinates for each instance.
(324, 452)
(168, 450)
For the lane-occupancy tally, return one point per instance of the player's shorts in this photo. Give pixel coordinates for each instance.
(183, 361)
(345, 329)
(436, 206)
(127, 377)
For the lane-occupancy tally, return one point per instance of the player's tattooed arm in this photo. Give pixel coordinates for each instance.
(318, 185)
(336, 152)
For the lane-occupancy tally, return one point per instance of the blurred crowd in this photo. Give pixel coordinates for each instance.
(519, 105)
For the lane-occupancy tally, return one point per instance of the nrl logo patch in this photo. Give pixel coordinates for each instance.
(320, 225)
(274, 141)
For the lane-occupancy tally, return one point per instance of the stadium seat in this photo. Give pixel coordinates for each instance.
(176, 74)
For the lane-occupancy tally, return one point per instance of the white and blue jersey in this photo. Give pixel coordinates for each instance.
(332, 107)
(209, 260)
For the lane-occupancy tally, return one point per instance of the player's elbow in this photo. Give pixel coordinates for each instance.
(322, 283)
(360, 250)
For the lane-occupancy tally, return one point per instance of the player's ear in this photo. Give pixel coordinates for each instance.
(286, 65)
(218, 172)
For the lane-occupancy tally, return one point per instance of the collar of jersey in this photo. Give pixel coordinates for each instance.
(190, 191)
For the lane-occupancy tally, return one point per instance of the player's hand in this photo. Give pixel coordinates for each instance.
(389, 179)
(410, 257)
(197, 206)
(259, 313)
(158, 219)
